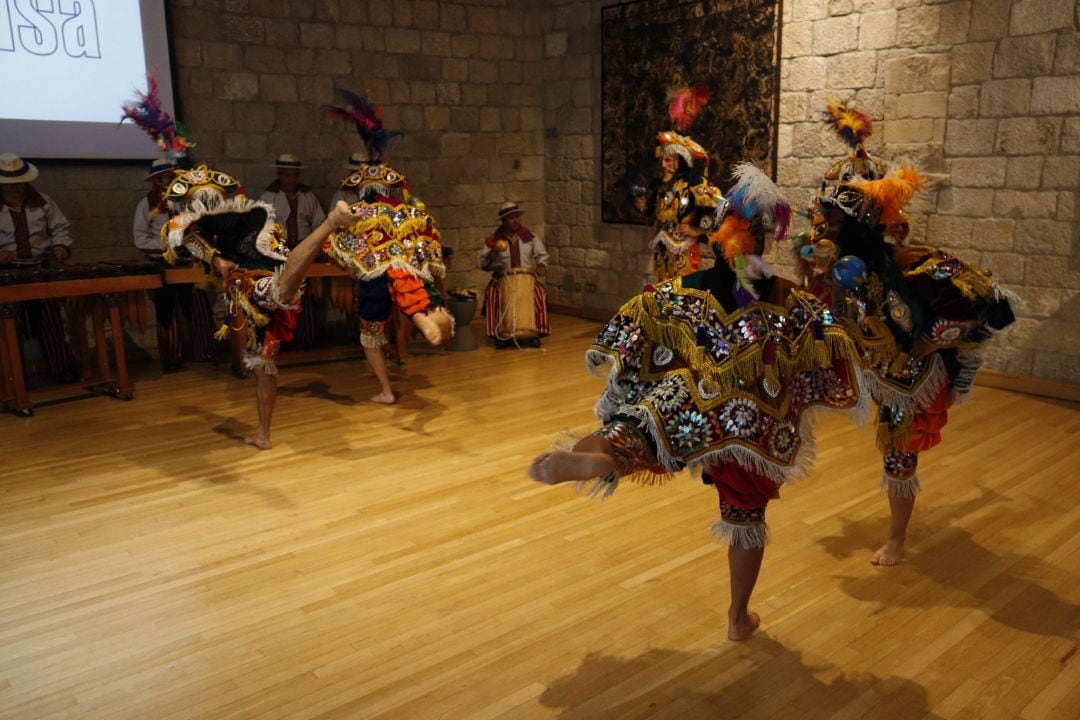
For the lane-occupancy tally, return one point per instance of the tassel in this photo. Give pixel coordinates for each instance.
(222, 333)
(771, 379)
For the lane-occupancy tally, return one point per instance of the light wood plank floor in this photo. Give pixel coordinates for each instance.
(394, 562)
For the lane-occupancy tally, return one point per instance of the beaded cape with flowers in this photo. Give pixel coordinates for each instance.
(711, 386)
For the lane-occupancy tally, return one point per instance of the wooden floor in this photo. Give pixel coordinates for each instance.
(394, 562)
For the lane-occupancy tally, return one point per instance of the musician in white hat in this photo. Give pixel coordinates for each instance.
(295, 206)
(32, 227)
(34, 231)
(151, 214)
(513, 245)
(299, 212)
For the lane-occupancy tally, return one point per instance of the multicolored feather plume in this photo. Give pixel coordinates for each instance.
(147, 113)
(851, 125)
(367, 117)
(686, 105)
(755, 195)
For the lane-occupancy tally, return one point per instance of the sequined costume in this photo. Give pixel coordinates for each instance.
(212, 217)
(393, 250)
(722, 372)
(686, 198)
(918, 315)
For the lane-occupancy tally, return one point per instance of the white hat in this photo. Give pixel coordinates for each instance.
(13, 169)
(357, 160)
(159, 167)
(508, 209)
(290, 161)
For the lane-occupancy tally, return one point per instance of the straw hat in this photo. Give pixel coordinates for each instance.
(13, 169)
(290, 161)
(508, 209)
(159, 167)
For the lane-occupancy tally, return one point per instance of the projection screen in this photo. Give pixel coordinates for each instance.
(68, 67)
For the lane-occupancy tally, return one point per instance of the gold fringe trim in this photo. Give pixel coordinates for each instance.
(972, 282)
(745, 366)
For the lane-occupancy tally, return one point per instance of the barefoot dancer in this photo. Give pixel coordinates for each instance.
(917, 314)
(236, 237)
(392, 247)
(717, 369)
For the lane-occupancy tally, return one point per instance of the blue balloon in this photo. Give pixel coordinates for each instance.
(849, 271)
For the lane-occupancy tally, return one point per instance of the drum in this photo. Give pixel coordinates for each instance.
(517, 305)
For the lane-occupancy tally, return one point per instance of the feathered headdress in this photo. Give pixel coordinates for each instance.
(148, 114)
(367, 117)
(755, 195)
(753, 199)
(851, 125)
(686, 104)
(892, 194)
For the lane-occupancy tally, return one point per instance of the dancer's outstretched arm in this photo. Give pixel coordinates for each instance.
(301, 257)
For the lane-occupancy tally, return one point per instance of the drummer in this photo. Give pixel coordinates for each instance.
(513, 245)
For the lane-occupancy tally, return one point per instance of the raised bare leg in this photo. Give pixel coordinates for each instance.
(743, 567)
(593, 456)
(434, 326)
(265, 397)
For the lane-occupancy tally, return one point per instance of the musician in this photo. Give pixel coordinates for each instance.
(33, 231)
(299, 212)
(151, 214)
(513, 245)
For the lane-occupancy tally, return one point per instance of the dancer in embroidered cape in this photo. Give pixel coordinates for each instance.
(919, 316)
(392, 247)
(718, 370)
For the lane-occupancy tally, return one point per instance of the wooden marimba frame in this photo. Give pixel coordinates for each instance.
(105, 296)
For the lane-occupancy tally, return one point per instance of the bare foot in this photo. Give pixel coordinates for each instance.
(259, 440)
(434, 326)
(889, 554)
(386, 397)
(743, 627)
(562, 466)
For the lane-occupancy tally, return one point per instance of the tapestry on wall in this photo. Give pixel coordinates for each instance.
(651, 48)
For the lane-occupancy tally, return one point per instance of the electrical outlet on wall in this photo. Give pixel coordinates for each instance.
(590, 287)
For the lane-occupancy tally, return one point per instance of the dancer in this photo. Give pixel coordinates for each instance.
(237, 239)
(719, 369)
(392, 247)
(239, 243)
(681, 206)
(918, 315)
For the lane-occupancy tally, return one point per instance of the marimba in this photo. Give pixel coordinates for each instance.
(113, 291)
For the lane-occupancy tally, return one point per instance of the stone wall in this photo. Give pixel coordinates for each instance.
(500, 99)
(983, 95)
(458, 77)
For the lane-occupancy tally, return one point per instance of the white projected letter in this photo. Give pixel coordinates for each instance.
(80, 31)
(39, 36)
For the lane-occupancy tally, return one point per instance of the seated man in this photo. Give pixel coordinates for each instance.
(514, 247)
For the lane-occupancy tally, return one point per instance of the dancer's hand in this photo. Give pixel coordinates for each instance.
(341, 214)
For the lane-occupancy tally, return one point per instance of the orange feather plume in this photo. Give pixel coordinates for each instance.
(893, 193)
(734, 238)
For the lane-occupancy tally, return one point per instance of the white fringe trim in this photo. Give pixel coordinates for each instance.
(376, 341)
(601, 487)
(1016, 303)
(923, 396)
(676, 246)
(895, 487)
(740, 536)
(275, 292)
(254, 362)
(197, 208)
